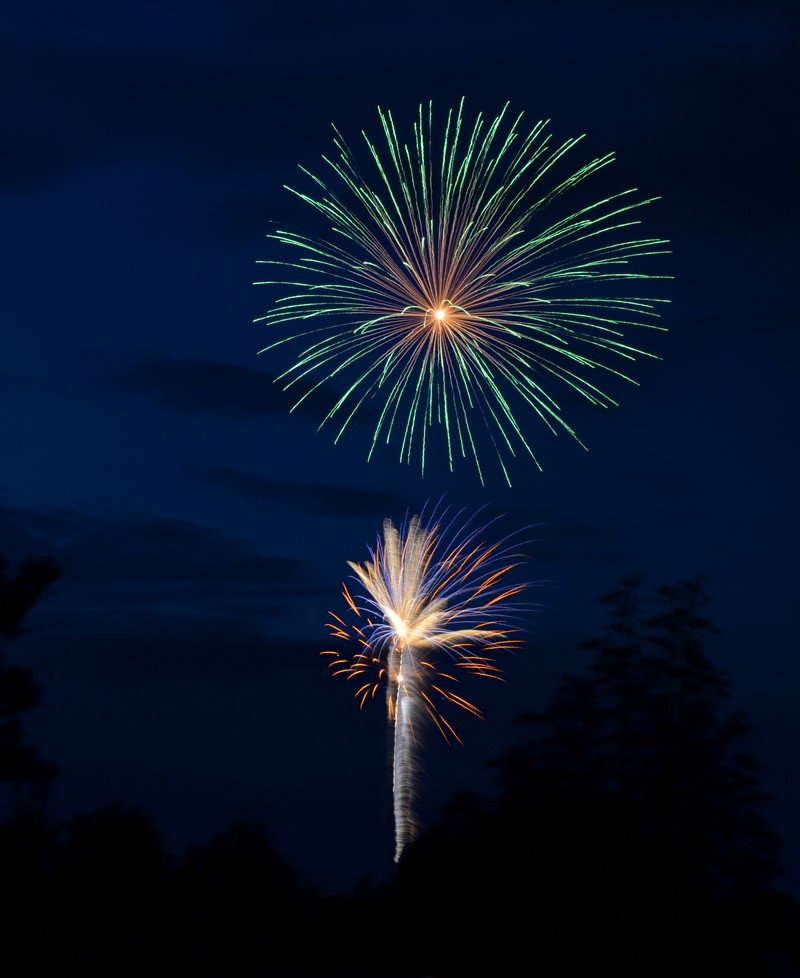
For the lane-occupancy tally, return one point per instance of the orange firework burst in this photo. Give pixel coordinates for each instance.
(436, 599)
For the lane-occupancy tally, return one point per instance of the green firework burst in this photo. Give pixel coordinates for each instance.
(447, 296)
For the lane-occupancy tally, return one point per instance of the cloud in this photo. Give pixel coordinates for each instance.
(323, 498)
(126, 566)
(199, 386)
(173, 649)
(573, 544)
(78, 104)
(144, 597)
(222, 88)
(141, 79)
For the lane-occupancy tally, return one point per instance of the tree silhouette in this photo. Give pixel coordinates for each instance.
(650, 728)
(20, 765)
(108, 888)
(239, 907)
(20, 593)
(628, 836)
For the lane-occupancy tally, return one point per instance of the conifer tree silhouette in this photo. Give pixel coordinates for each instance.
(20, 765)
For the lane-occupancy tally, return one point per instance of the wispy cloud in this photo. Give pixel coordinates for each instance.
(127, 565)
(323, 498)
(195, 386)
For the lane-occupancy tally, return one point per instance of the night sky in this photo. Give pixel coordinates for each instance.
(206, 531)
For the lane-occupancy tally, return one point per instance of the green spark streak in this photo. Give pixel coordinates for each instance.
(459, 225)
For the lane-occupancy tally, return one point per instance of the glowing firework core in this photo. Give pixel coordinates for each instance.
(398, 625)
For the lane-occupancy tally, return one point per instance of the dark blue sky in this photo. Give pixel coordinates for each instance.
(206, 532)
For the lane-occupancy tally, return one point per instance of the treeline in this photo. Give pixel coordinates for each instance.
(99, 896)
(626, 837)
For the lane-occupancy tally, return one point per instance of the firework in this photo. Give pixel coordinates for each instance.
(433, 599)
(450, 293)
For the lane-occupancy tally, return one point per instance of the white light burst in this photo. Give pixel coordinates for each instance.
(436, 599)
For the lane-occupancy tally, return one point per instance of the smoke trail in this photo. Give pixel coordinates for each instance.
(405, 765)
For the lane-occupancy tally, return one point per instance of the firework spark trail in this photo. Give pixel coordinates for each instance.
(435, 599)
(404, 767)
(449, 297)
